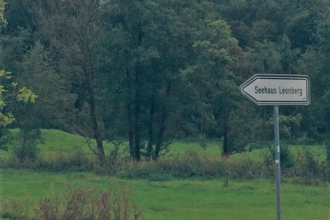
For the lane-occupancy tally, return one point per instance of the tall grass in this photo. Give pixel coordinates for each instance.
(302, 167)
(81, 203)
(305, 169)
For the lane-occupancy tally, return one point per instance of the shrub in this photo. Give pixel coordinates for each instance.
(310, 163)
(192, 165)
(56, 162)
(286, 156)
(75, 162)
(111, 163)
(307, 169)
(327, 146)
(6, 139)
(246, 168)
(25, 148)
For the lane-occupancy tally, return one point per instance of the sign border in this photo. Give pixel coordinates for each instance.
(277, 76)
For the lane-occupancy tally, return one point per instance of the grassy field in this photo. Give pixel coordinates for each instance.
(182, 199)
(176, 199)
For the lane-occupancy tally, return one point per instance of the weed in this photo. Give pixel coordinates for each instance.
(82, 204)
(15, 209)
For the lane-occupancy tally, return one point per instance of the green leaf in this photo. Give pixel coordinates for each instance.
(26, 95)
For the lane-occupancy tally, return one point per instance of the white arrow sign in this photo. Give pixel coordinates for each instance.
(277, 89)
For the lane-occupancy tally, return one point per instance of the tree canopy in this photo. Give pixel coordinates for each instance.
(22, 94)
(153, 71)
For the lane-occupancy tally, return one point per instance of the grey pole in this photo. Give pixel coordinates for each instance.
(277, 160)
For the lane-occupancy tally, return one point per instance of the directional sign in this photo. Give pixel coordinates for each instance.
(277, 89)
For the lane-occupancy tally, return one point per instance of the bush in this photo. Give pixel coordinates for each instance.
(56, 162)
(327, 146)
(192, 165)
(304, 168)
(307, 169)
(110, 165)
(6, 139)
(286, 156)
(25, 148)
(310, 163)
(75, 162)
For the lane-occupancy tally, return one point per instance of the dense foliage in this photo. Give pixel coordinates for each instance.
(9, 93)
(152, 71)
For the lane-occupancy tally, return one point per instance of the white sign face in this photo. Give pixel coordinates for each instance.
(277, 89)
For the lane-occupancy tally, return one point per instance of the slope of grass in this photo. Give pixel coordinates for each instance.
(61, 142)
(182, 199)
(56, 141)
(180, 147)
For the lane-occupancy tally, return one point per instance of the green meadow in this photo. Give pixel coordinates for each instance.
(175, 199)
(181, 199)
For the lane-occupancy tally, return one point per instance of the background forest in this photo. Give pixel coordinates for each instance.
(153, 71)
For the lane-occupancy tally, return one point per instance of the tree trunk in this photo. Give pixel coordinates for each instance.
(162, 125)
(129, 117)
(151, 130)
(160, 134)
(96, 132)
(136, 121)
(225, 137)
(89, 74)
(130, 132)
(137, 104)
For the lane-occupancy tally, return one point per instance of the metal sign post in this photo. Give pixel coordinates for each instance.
(277, 160)
(277, 89)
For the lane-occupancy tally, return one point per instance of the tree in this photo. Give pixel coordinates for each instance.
(214, 80)
(314, 62)
(72, 30)
(2, 9)
(150, 44)
(152, 71)
(18, 94)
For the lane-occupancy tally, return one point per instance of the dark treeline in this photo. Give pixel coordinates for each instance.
(153, 71)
